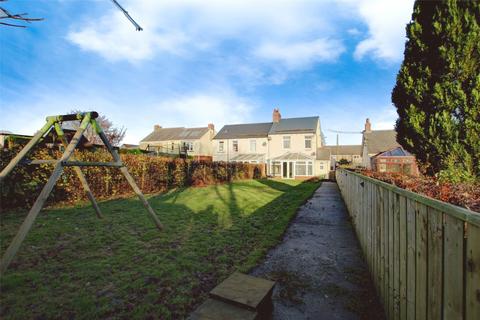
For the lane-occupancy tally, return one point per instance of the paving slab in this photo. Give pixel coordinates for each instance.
(213, 309)
(244, 291)
(319, 267)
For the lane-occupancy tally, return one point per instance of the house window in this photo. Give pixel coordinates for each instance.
(221, 145)
(300, 168)
(235, 145)
(308, 142)
(286, 142)
(188, 146)
(276, 168)
(173, 146)
(303, 168)
(253, 145)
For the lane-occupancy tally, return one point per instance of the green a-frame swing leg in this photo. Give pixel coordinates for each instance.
(87, 118)
(79, 172)
(38, 205)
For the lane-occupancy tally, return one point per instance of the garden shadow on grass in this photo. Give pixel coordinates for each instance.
(75, 265)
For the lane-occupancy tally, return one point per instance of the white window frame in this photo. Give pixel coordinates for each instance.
(189, 146)
(221, 146)
(285, 139)
(253, 143)
(308, 138)
(235, 144)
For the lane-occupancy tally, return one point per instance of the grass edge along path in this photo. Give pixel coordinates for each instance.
(73, 265)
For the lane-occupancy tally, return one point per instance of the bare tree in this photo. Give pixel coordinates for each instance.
(115, 135)
(5, 14)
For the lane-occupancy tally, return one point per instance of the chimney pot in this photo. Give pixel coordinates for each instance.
(211, 126)
(157, 127)
(368, 125)
(276, 116)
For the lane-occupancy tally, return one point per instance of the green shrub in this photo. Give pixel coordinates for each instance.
(152, 174)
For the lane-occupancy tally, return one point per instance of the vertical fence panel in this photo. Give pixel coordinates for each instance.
(382, 244)
(411, 258)
(386, 205)
(396, 256)
(421, 262)
(453, 264)
(435, 263)
(391, 268)
(472, 278)
(424, 255)
(403, 256)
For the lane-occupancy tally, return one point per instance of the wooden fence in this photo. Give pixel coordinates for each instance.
(423, 254)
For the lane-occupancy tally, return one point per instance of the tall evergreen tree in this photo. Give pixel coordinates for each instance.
(437, 94)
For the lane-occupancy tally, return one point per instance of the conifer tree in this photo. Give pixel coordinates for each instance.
(437, 94)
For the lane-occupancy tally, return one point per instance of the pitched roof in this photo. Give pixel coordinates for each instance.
(380, 140)
(166, 134)
(248, 157)
(395, 152)
(293, 156)
(323, 153)
(247, 130)
(345, 149)
(129, 146)
(295, 125)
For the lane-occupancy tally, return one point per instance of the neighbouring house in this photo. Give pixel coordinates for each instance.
(127, 146)
(375, 142)
(3, 138)
(287, 147)
(8, 139)
(196, 142)
(395, 160)
(246, 143)
(351, 153)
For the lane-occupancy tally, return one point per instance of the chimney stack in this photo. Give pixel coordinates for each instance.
(368, 125)
(276, 115)
(211, 126)
(157, 127)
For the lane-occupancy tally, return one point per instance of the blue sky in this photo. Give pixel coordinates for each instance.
(201, 61)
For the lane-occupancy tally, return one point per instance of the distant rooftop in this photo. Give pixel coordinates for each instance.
(295, 125)
(380, 140)
(247, 130)
(344, 149)
(259, 130)
(181, 133)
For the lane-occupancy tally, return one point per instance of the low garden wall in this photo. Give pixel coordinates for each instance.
(423, 254)
(152, 174)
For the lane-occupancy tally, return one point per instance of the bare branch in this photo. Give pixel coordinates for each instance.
(5, 14)
(12, 25)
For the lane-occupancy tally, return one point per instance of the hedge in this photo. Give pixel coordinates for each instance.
(152, 174)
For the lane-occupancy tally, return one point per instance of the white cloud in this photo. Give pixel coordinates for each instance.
(354, 32)
(194, 26)
(218, 106)
(299, 55)
(189, 110)
(386, 21)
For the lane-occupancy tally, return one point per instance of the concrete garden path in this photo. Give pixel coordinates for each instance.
(319, 266)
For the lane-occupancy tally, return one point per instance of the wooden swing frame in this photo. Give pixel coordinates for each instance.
(86, 119)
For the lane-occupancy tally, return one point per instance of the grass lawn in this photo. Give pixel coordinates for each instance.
(73, 265)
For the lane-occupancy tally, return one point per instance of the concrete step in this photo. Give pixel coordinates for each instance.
(219, 310)
(239, 297)
(244, 291)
